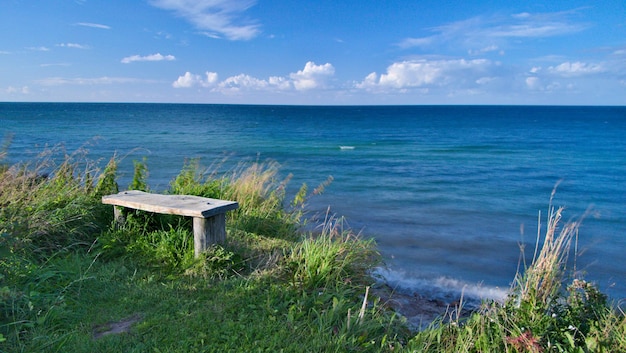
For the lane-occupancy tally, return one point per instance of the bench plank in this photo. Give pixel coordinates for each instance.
(182, 205)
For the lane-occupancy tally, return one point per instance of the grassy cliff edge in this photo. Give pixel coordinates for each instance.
(72, 281)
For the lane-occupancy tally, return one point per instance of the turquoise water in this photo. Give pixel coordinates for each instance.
(444, 190)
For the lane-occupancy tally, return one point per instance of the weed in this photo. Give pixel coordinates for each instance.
(334, 256)
(192, 180)
(140, 176)
(218, 263)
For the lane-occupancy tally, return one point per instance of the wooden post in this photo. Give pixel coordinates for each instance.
(118, 214)
(208, 231)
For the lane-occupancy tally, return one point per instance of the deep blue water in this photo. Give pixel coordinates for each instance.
(444, 190)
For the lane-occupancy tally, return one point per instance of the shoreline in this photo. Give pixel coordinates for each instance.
(418, 310)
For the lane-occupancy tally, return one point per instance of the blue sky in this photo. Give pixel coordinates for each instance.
(314, 52)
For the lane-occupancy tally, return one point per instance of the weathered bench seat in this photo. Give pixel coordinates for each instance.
(209, 215)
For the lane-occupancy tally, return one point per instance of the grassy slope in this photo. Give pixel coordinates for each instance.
(186, 314)
(67, 275)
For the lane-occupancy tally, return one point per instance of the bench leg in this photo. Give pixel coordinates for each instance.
(118, 213)
(208, 231)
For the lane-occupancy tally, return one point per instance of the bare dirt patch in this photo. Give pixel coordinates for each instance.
(116, 327)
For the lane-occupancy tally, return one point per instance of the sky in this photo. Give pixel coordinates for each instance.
(320, 52)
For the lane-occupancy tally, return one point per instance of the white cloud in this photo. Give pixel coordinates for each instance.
(570, 69)
(210, 35)
(415, 42)
(425, 73)
(570, 77)
(533, 30)
(485, 80)
(54, 64)
(491, 32)
(280, 82)
(163, 35)
(521, 15)
(211, 78)
(214, 18)
(81, 81)
(189, 80)
(312, 76)
(539, 84)
(370, 81)
(486, 49)
(38, 48)
(93, 25)
(242, 82)
(73, 45)
(553, 86)
(410, 74)
(533, 83)
(18, 90)
(152, 57)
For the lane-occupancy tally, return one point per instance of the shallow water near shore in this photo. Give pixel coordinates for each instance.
(448, 192)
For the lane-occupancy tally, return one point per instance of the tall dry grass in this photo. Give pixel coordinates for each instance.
(543, 313)
(54, 200)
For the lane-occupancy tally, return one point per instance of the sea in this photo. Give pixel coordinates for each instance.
(452, 195)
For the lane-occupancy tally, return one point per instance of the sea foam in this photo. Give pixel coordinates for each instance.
(439, 288)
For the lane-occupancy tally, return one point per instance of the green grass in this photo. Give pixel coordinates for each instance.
(68, 275)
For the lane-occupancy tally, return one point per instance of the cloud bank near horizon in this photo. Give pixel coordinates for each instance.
(311, 77)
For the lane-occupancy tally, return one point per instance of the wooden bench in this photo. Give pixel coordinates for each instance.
(209, 215)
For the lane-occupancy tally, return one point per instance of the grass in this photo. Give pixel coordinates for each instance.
(67, 275)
